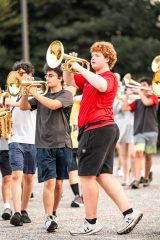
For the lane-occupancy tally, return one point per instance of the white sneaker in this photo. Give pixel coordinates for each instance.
(119, 173)
(130, 221)
(88, 229)
(50, 224)
(55, 218)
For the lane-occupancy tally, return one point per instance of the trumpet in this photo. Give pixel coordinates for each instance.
(17, 86)
(55, 55)
(6, 124)
(130, 83)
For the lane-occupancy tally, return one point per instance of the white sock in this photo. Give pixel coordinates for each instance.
(6, 205)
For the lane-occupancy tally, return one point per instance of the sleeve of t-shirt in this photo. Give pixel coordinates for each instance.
(111, 82)
(132, 106)
(154, 98)
(79, 80)
(66, 98)
(33, 102)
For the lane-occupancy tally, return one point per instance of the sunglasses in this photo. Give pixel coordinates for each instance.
(21, 73)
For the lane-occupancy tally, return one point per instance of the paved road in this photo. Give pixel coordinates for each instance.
(145, 199)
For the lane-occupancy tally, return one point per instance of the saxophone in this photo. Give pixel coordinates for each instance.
(5, 118)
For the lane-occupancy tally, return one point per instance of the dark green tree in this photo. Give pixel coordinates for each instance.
(132, 26)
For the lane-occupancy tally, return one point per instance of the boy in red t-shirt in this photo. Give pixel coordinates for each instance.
(98, 137)
(145, 129)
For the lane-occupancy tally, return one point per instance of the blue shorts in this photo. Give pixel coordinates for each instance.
(53, 163)
(22, 157)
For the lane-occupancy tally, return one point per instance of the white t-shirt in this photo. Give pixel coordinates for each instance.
(23, 126)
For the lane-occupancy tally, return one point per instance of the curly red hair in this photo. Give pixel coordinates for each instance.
(107, 49)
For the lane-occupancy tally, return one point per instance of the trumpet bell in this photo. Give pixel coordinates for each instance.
(156, 64)
(17, 86)
(55, 54)
(14, 83)
(129, 81)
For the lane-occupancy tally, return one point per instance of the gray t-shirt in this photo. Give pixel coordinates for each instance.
(52, 126)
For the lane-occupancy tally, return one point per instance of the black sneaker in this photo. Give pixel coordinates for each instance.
(7, 213)
(51, 224)
(146, 183)
(135, 184)
(16, 219)
(25, 217)
(150, 176)
(141, 180)
(32, 195)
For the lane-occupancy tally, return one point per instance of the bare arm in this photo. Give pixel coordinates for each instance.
(69, 78)
(24, 104)
(49, 103)
(9, 102)
(95, 80)
(146, 101)
(125, 105)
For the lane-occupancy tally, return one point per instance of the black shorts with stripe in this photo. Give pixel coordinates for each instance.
(96, 150)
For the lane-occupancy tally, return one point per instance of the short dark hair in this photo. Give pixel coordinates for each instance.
(145, 79)
(57, 70)
(26, 66)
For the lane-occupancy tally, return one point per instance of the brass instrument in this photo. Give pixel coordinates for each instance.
(5, 117)
(6, 124)
(3, 96)
(55, 55)
(156, 77)
(130, 83)
(17, 86)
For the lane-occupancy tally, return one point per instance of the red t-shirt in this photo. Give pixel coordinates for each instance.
(95, 105)
(153, 97)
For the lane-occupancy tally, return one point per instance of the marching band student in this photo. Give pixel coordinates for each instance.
(22, 151)
(98, 135)
(125, 146)
(145, 130)
(6, 172)
(73, 169)
(53, 141)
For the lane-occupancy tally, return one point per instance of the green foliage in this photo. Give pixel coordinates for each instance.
(132, 26)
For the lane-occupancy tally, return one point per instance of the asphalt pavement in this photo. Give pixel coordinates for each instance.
(146, 200)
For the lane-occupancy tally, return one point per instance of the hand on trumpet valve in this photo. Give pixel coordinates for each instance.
(32, 90)
(74, 54)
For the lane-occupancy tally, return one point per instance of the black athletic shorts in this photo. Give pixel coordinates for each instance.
(96, 150)
(4, 163)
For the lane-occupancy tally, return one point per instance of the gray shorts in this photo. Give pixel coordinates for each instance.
(146, 142)
(22, 157)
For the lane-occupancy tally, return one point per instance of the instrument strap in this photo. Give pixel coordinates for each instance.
(18, 98)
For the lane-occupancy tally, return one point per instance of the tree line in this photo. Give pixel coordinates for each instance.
(132, 26)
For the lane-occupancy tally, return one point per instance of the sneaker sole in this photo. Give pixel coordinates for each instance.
(128, 230)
